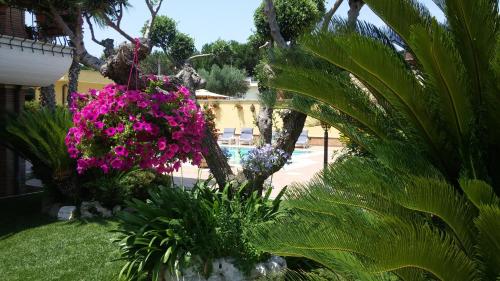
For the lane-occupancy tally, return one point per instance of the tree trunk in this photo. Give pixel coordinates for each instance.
(353, 14)
(73, 75)
(216, 160)
(265, 123)
(329, 15)
(48, 97)
(293, 123)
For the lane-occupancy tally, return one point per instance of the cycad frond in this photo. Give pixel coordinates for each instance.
(475, 26)
(401, 15)
(445, 74)
(313, 83)
(488, 225)
(386, 73)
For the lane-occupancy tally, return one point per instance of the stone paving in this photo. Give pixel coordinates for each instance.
(302, 169)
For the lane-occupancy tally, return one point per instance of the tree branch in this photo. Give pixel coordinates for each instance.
(61, 23)
(199, 56)
(154, 12)
(91, 28)
(114, 26)
(328, 17)
(270, 12)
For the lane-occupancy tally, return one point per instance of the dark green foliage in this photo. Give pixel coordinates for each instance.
(227, 80)
(424, 205)
(176, 228)
(176, 45)
(117, 187)
(239, 55)
(181, 48)
(163, 32)
(294, 17)
(38, 136)
(150, 64)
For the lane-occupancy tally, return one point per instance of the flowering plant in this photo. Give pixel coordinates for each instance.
(116, 128)
(261, 159)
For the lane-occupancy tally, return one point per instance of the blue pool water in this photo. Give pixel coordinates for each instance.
(237, 152)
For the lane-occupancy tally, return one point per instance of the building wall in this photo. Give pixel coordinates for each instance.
(238, 114)
(12, 22)
(88, 80)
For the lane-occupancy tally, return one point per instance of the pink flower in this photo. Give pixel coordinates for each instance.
(120, 128)
(177, 135)
(110, 132)
(142, 104)
(99, 125)
(186, 147)
(138, 126)
(117, 163)
(121, 151)
(162, 144)
(73, 152)
(171, 121)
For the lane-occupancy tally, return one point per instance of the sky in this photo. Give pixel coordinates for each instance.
(209, 20)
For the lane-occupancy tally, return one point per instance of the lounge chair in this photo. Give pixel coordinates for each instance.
(303, 140)
(227, 136)
(246, 136)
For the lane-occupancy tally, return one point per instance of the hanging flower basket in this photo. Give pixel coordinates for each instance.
(117, 129)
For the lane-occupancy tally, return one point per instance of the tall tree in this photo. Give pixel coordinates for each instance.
(165, 35)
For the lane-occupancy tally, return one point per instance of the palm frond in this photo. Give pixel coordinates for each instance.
(479, 192)
(445, 74)
(488, 225)
(385, 72)
(401, 15)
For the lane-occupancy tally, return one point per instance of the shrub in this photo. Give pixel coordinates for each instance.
(119, 186)
(176, 229)
(226, 80)
(116, 129)
(38, 136)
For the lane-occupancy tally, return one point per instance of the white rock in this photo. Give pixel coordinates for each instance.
(224, 270)
(66, 213)
(92, 209)
(116, 209)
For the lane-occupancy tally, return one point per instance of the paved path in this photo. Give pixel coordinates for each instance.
(302, 169)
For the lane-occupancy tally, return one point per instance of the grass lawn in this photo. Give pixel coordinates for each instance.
(35, 247)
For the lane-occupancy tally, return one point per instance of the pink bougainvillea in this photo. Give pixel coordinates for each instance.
(116, 129)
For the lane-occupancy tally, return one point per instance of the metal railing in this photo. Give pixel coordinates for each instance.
(16, 31)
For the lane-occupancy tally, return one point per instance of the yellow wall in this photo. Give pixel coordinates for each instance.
(227, 114)
(87, 80)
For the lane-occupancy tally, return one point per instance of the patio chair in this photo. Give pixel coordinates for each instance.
(303, 140)
(227, 136)
(246, 136)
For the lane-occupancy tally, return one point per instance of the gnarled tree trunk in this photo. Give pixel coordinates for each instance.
(265, 123)
(353, 13)
(73, 75)
(48, 97)
(216, 160)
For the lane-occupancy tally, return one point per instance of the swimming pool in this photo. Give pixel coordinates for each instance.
(236, 153)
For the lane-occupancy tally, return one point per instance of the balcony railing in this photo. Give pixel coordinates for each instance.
(22, 24)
